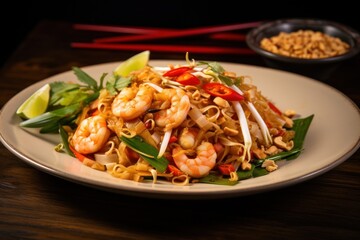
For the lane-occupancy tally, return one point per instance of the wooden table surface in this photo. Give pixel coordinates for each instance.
(37, 205)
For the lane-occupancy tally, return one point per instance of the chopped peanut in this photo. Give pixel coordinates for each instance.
(283, 145)
(305, 44)
(269, 165)
(272, 150)
(246, 166)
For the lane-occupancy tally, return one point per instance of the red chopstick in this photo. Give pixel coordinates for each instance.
(164, 48)
(228, 36)
(118, 29)
(178, 33)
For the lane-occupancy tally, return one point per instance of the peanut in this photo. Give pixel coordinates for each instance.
(305, 44)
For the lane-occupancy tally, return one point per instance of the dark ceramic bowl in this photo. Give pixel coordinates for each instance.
(320, 68)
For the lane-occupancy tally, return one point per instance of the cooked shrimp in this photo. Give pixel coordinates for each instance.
(178, 108)
(131, 102)
(200, 165)
(187, 138)
(91, 135)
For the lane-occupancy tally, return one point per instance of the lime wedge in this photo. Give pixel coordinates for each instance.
(133, 63)
(36, 104)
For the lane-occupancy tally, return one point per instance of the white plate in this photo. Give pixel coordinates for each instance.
(332, 138)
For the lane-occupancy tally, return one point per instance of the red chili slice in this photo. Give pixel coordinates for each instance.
(174, 170)
(188, 79)
(220, 90)
(176, 71)
(173, 139)
(226, 169)
(274, 108)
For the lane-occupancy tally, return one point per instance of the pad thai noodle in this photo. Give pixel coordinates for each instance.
(189, 115)
(183, 124)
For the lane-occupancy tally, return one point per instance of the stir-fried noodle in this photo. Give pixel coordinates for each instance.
(189, 116)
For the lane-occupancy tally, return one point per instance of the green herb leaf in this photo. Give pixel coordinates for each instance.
(213, 178)
(226, 80)
(255, 171)
(102, 78)
(219, 70)
(146, 151)
(52, 127)
(259, 171)
(57, 91)
(214, 66)
(71, 97)
(49, 118)
(246, 174)
(91, 98)
(117, 83)
(110, 88)
(65, 94)
(285, 155)
(64, 138)
(301, 127)
(85, 78)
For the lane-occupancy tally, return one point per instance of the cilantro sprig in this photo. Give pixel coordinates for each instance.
(220, 73)
(116, 83)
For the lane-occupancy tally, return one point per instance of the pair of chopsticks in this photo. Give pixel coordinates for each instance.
(137, 34)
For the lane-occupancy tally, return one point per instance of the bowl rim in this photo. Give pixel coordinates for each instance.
(352, 33)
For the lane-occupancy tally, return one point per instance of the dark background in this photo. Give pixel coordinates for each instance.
(17, 19)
